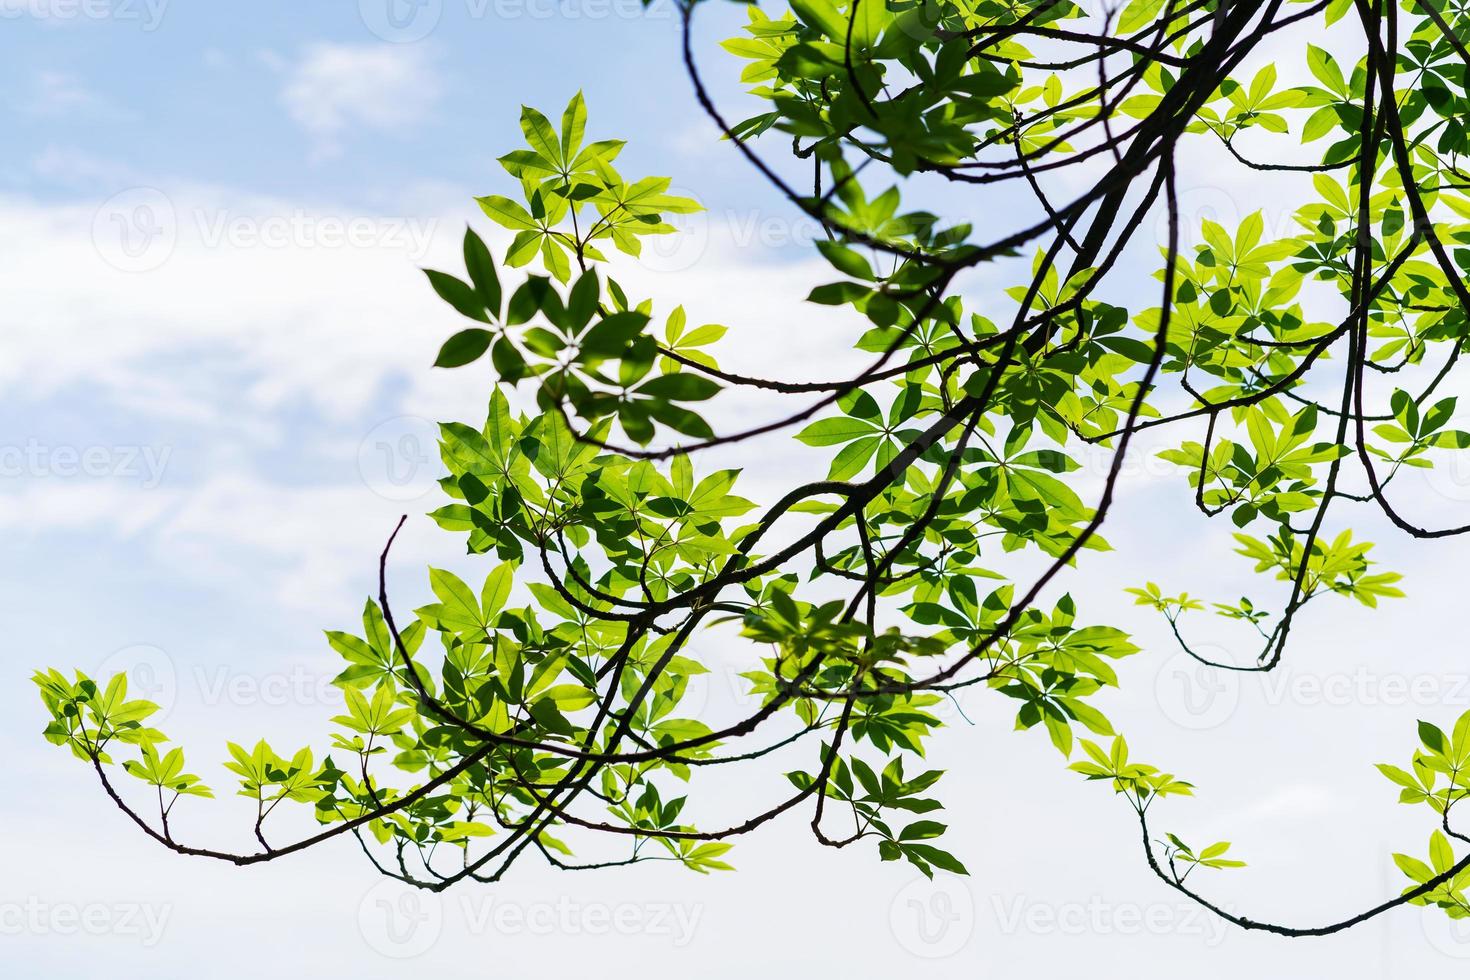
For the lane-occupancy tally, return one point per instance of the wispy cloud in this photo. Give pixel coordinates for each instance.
(276, 359)
(55, 93)
(334, 87)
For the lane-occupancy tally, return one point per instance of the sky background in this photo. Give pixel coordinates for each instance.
(214, 351)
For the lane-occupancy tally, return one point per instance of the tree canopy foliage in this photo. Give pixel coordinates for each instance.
(1300, 372)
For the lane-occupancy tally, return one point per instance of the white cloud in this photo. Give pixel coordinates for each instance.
(54, 93)
(254, 361)
(68, 167)
(230, 339)
(297, 302)
(216, 59)
(269, 294)
(336, 86)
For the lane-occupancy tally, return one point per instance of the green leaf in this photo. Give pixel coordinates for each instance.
(573, 126)
(541, 136)
(835, 431)
(459, 295)
(463, 348)
(481, 269)
(507, 213)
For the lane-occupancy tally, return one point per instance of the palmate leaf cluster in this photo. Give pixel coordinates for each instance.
(544, 704)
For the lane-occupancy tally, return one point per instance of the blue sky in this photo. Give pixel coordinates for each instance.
(205, 444)
(199, 92)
